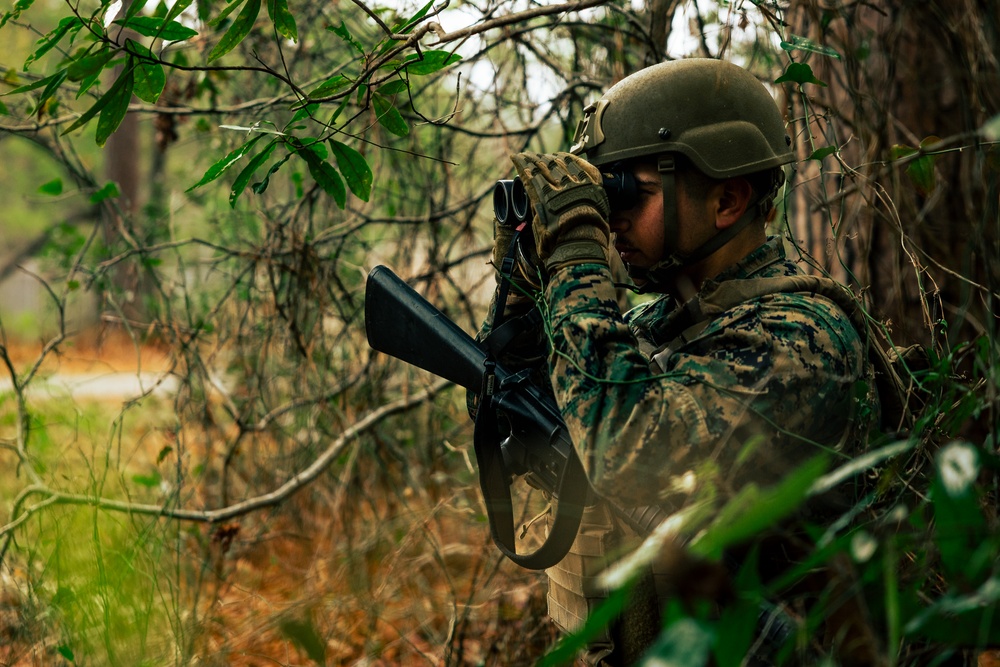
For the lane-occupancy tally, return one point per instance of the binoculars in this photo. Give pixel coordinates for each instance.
(512, 207)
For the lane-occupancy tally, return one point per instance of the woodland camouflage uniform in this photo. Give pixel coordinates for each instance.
(670, 397)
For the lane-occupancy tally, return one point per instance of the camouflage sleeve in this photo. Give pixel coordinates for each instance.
(765, 386)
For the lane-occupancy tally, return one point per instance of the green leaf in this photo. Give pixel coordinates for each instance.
(392, 88)
(429, 62)
(797, 43)
(240, 184)
(407, 25)
(3, 110)
(113, 95)
(260, 187)
(53, 187)
(283, 20)
(114, 111)
(220, 167)
(753, 509)
(164, 453)
(176, 10)
(58, 77)
(19, 7)
(149, 481)
(86, 66)
(109, 191)
(151, 26)
(66, 652)
(134, 8)
(355, 169)
(331, 86)
(345, 34)
(149, 76)
(305, 112)
(919, 169)
(570, 645)
(303, 634)
(324, 174)
(240, 28)
(821, 153)
(389, 116)
(799, 73)
(49, 41)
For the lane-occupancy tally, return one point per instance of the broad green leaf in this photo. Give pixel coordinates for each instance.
(176, 10)
(799, 73)
(260, 187)
(754, 509)
(217, 20)
(821, 153)
(134, 8)
(919, 169)
(392, 88)
(66, 652)
(19, 7)
(58, 78)
(240, 28)
(797, 43)
(324, 174)
(345, 34)
(389, 116)
(149, 76)
(407, 25)
(330, 86)
(429, 62)
(53, 187)
(109, 191)
(86, 66)
(240, 184)
(49, 41)
(113, 94)
(220, 167)
(283, 20)
(50, 89)
(355, 169)
(305, 112)
(114, 111)
(150, 26)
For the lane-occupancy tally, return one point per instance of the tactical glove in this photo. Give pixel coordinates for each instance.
(527, 266)
(571, 208)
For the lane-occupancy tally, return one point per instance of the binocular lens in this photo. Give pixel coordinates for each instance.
(510, 202)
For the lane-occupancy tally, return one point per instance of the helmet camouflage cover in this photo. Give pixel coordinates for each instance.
(715, 113)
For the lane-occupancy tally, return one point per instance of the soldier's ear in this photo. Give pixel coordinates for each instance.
(733, 200)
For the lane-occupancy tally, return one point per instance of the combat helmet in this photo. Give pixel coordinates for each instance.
(715, 113)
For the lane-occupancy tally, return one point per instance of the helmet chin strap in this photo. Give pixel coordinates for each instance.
(660, 276)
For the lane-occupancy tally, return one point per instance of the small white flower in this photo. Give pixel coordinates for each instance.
(958, 465)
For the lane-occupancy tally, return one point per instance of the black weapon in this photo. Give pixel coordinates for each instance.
(402, 324)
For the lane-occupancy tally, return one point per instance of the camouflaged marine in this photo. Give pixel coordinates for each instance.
(741, 365)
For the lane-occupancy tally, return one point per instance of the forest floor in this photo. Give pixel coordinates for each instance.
(337, 576)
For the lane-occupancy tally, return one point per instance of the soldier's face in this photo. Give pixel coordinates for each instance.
(639, 230)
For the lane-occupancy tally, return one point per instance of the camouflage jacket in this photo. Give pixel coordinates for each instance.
(750, 394)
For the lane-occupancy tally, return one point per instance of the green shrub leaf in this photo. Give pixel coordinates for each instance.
(323, 172)
(355, 169)
(240, 184)
(149, 76)
(345, 34)
(282, 18)
(429, 62)
(799, 73)
(49, 41)
(53, 187)
(220, 167)
(109, 191)
(389, 116)
(240, 28)
(114, 111)
(797, 43)
(151, 26)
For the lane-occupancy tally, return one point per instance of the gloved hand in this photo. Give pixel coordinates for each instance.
(525, 273)
(571, 208)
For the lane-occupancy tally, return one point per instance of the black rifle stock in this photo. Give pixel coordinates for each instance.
(402, 324)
